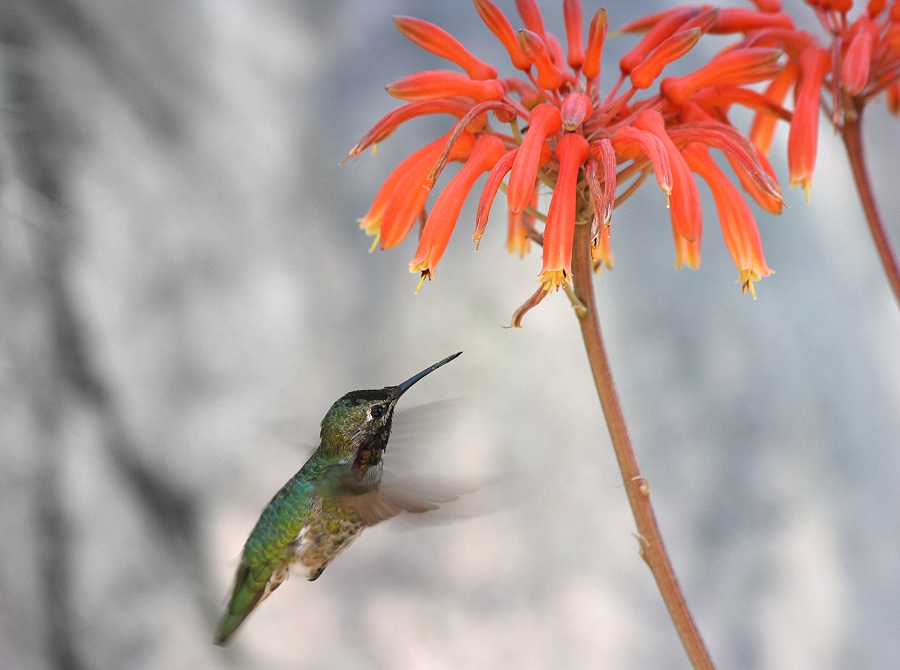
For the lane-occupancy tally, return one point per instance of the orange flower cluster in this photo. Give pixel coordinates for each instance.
(551, 126)
(862, 60)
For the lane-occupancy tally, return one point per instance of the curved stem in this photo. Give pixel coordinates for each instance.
(652, 549)
(852, 135)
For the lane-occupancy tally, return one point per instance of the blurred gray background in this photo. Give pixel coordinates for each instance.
(184, 291)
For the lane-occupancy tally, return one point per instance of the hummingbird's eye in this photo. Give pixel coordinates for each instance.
(377, 412)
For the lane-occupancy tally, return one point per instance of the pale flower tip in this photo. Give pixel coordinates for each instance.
(554, 279)
(747, 285)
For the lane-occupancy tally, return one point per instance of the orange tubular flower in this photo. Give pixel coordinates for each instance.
(656, 36)
(735, 218)
(858, 58)
(489, 192)
(673, 48)
(732, 68)
(391, 120)
(531, 16)
(371, 222)
(534, 49)
(559, 127)
(441, 43)
(893, 98)
(631, 143)
(604, 154)
(575, 109)
(517, 226)
(488, 150)
(686, 213)
(596, 39)
(804, 135)
(498, 24)
(763, 129)
(406, 202)
(601, 252)
(436, 84)
(544, 120)
(572, 150)
(572, 15)
(738, 20)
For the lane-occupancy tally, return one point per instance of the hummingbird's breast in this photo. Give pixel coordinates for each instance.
(330, 530)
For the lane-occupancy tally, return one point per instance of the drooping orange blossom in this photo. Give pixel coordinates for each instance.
(563, 135)
(859, 61)
(568, 136)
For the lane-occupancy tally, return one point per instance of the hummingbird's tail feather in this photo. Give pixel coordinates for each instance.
(249, 591)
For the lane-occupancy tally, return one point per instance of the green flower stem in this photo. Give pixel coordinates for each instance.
(652, 549)
(852, 134)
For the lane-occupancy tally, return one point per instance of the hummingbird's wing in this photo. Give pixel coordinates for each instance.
(376, 506)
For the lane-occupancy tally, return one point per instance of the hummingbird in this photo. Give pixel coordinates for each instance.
(328, 503)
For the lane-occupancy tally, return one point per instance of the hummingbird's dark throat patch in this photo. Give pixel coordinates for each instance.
(371, 451)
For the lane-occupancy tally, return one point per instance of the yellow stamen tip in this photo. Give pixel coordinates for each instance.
(425, 275)
(375, 241)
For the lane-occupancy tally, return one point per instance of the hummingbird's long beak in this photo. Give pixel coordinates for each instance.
(404, 387)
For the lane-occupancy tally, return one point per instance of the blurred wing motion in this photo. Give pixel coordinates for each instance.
(376, 506)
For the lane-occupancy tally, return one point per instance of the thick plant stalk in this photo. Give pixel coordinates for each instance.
(852, 134)
(652, 549)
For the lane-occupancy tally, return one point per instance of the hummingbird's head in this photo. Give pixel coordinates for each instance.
(358, 425)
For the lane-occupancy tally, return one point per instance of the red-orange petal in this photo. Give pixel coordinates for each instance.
(548, 77)
(763, 128)
(434, 84)
(646, 22)
(572, 151)
(441, 43)
(517, 239)
(630, 142)
(740, 152)
(575, 109)
(371, 221)
(389, 122)
(411, 192)
(498, 24)
(893, 98)
(596, 38)
(803, 137)
(603, 152)
(731, 68)
(574, 33)
(875, 7)
(735, 218)
(439, 226)
(685, 210)
(543, 121)
(858, 59)
(489, 192)
(768, 5)
(740, 20)
(762, 197)
(531, 17)
(671, 49)
(601, 249)
(660, 32)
